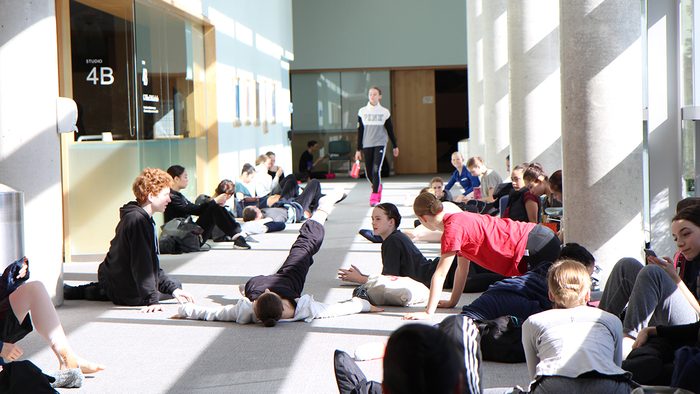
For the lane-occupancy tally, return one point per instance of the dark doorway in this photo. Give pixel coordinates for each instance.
(450, 114)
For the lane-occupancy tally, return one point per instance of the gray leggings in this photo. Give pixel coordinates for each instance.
(651, 296)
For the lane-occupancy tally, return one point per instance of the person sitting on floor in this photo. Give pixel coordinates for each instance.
(418, 358)
(307, 164)
(25, 306)
(130, 273)
(573, 347)
(211, 213)
(271, 298)
(273, 183)
(488, 179)
(401, 257)
(656, 293)
(463, 176)
(520, 198)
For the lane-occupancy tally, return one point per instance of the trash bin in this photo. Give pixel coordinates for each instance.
(11, 225)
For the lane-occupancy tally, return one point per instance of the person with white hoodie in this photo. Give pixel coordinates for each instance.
(278, 297)
(374, 128)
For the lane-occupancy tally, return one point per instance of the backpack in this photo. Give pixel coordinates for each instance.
(501, 339)
(295, 212)
(180, 235)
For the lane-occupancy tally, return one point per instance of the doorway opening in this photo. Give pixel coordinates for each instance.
(451, 114)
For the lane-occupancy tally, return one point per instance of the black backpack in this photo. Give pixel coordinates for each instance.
(501, 339)
(180, 235)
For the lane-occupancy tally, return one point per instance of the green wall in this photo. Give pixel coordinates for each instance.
(380, 33)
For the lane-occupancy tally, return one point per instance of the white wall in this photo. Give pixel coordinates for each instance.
(29, 144)
(244, 30)
(386, 33)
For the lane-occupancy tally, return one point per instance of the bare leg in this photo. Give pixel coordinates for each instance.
(32, 297)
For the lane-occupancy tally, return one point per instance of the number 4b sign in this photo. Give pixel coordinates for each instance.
(101, 75)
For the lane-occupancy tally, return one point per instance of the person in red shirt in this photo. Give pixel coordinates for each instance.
(503, 246)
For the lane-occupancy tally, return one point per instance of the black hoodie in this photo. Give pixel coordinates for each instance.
(130, 273)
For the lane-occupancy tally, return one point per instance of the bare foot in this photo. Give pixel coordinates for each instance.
(69, 360)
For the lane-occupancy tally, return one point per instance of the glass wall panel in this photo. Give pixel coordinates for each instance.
(316, 98)
(329, 101)
(355, 85)
(138, 72)
(102, 68)
(688, 127)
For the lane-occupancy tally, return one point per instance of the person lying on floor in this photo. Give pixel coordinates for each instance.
(525, 295)
(255, 223)
(130, 273)
(401, 257)
(271, 298)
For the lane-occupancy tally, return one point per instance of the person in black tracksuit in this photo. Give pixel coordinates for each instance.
(130, 273)
(210, 213)
(373, 130)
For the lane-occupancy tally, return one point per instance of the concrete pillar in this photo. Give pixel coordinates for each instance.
(663, 120)
(475, 78)
(29, 143)
(535, 88)
(496, 100)
(601, 74)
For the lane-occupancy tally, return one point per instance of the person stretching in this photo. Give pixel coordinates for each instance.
(271, 298)
(500, 245)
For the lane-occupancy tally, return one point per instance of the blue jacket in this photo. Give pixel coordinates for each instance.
(465, 178)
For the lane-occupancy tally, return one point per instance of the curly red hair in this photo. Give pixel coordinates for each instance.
(150, 181)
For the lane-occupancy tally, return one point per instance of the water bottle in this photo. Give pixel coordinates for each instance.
(355, 171)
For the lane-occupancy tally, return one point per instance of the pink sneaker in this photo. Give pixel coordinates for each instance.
(374, 199)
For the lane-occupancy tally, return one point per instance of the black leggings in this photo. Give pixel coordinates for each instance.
(374, 158)
(543, 245)
(218, 216)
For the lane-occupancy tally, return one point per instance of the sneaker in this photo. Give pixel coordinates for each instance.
(240, 243)
(224, 238)
(251, 239)
(361, 292)
(369, 235)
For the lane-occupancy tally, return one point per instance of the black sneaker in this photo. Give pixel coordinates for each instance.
(361, 292)
(240, 243)
(369, 235)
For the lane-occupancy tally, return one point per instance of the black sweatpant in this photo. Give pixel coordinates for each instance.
(218, 216)
(308, 198)
(288, 281)
(374, 157)
(543, 245)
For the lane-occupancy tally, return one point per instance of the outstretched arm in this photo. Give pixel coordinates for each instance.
(348, 307)
(241, 312)
(436, 285)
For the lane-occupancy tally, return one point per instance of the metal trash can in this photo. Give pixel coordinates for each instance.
(11, 225)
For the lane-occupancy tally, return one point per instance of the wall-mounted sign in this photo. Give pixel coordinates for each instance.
(102, 75)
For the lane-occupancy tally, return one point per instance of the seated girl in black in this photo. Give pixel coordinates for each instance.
(401, 257)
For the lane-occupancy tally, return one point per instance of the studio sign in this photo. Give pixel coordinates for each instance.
(99, 74)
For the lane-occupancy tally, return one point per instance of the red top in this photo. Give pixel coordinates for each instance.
(493, 243)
